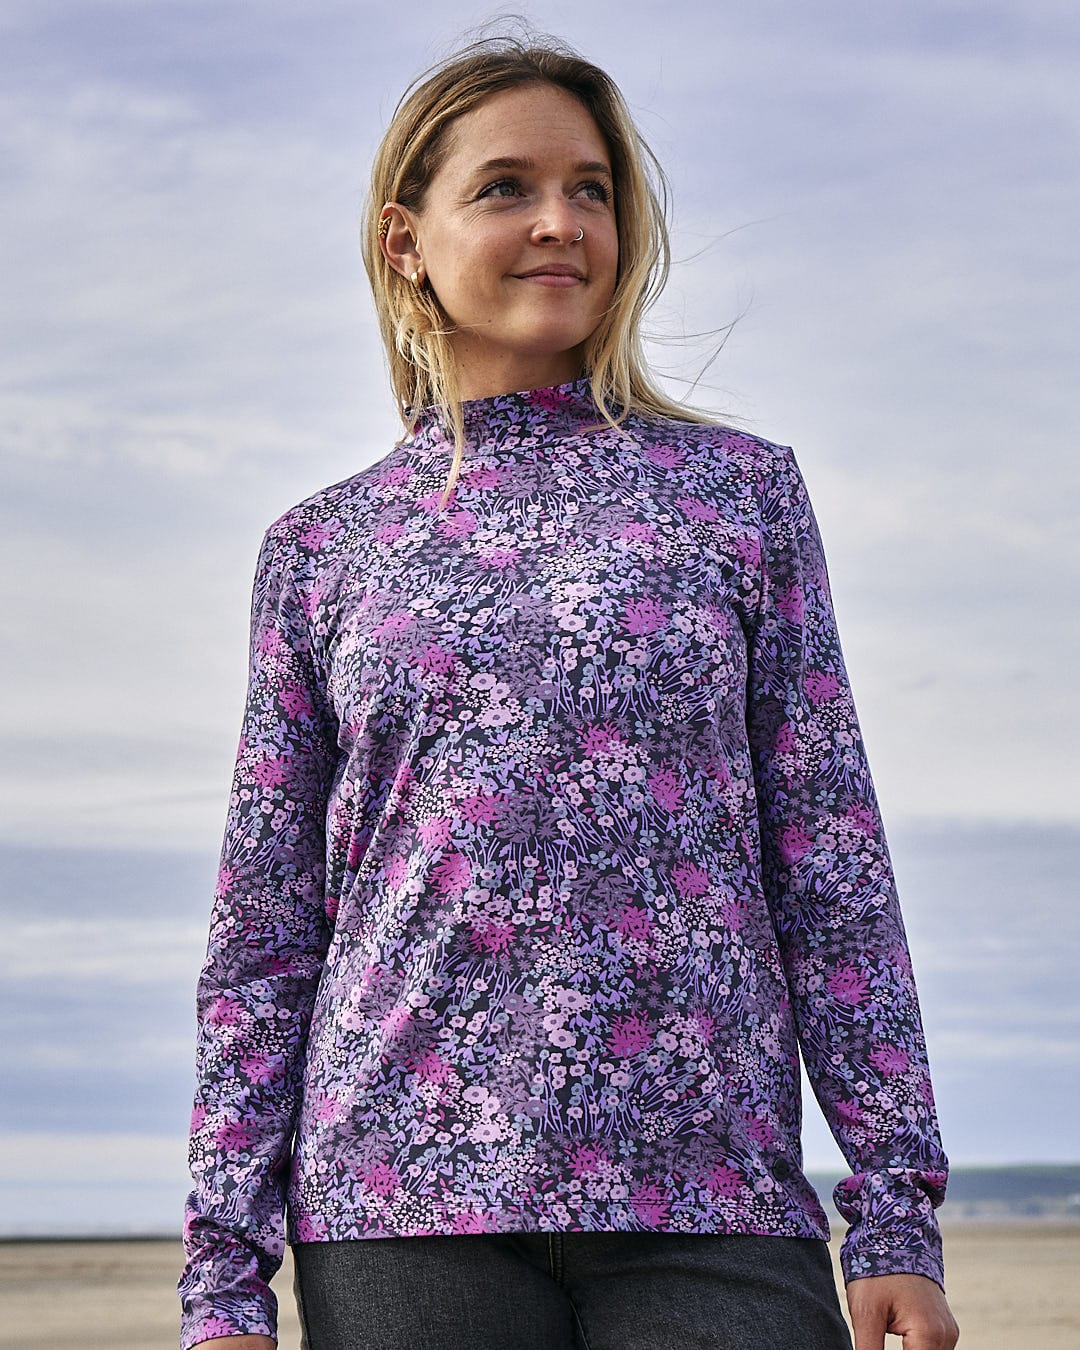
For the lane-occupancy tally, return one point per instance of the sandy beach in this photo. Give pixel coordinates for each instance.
(1012, 1287)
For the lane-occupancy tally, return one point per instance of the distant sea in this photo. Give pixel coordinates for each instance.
(101, 949)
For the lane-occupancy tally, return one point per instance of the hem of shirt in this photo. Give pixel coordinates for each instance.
(350, 1225)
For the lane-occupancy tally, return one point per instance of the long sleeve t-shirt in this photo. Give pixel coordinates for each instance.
(552, 840)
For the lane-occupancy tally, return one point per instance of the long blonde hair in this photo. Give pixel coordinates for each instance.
(415, 329)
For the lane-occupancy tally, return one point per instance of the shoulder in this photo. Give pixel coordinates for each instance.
(713, 460)
(717, 442)
(310, 528)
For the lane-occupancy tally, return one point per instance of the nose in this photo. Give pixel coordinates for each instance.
(555, 222)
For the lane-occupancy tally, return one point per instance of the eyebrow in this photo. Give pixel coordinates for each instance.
(528, 165)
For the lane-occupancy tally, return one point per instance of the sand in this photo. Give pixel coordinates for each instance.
(1011, 1286)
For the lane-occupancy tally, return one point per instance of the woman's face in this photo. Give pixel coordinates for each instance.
(526, 171)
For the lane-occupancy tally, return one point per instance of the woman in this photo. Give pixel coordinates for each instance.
(552, 837)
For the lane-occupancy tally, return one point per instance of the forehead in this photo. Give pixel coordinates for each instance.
(524, 122)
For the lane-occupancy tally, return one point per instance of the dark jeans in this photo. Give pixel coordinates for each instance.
(569, 1291)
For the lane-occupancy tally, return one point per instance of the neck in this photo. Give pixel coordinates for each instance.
(512, 374)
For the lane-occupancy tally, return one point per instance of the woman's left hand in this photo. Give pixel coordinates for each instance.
(911, 1306)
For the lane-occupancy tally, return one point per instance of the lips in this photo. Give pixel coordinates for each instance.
(553, 270)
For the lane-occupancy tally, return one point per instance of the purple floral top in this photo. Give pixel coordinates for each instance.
(551, 841)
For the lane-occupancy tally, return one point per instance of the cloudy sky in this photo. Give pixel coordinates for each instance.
(885, 198)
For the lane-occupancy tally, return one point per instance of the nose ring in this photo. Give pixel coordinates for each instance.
(580, 236)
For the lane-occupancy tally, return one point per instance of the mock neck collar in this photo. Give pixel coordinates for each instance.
(554, 410)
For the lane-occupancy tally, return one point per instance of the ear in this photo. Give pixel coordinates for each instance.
(400, 244)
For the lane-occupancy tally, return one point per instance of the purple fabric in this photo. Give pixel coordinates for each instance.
(552, 838)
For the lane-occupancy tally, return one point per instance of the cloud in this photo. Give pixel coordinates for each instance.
(885, 196)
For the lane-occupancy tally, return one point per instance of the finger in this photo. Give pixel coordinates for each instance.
(933, 1333)
(869, 1323)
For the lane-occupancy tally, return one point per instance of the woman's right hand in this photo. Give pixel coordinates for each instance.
(237, 1343)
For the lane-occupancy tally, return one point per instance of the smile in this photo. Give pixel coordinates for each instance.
(552, 279)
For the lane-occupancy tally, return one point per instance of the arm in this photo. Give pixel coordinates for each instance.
(830, 887)
(267, 943)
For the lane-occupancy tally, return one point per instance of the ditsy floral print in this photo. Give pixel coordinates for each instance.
(551, 841)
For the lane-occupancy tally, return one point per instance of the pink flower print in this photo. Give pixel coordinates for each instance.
(296, 701)
(548, 399)
(326, 1109)
(651, 1204)
(270, 642)
(664, 456)
(734, 914)
(492, 937)
(861, 818)
(499, 559)
(821, 685)
(396, 870)
(694, 509)
(259, 1068)
(396, 476)
(630, 1035)
(482, 807)
(224, 1012)
(235, 1135)
(666, 789)
(642, 617)
(461, 524)
(848, 985)
(600, 740)
(310, 1230)
(430, 1067)
(316, 535)
(795, 843)
(749, 550)
(358, 842)
(760, 1131)
(394, 625)
(472, 1221)
(451, 875)
(719, 772)
(638, 532)
(704, 1022)
(434, 832)
(381, 1178)
(213, 1327)
(724, 1181)
(634, 923)
(690, 879)
(389, 532)
(225, 878)
(721, 620)
(438, 660)
(790, 603)
(900, 960)
(850, 1112)
(585, 1159)
(890, 1059)
(395, 1021)
(198, 1115)
(784, 743)
(309, 600)
(271, 773)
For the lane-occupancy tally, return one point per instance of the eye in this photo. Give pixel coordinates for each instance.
(600, 189)
(492, 189)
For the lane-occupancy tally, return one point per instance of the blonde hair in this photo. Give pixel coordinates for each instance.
(415, 329)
